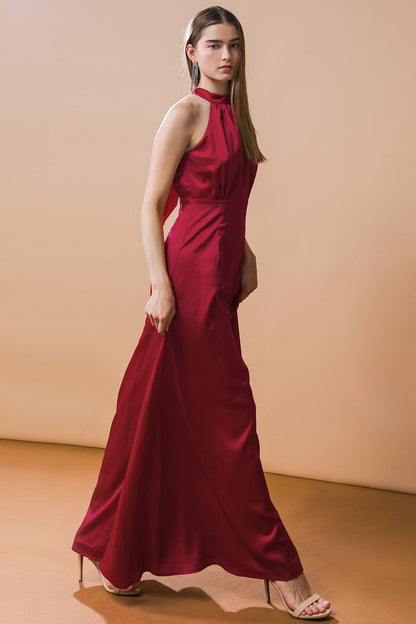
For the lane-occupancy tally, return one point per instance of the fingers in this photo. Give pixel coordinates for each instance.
(164, 324)
(151, 319)
(160, 310)
(161, 324)
(157, 322)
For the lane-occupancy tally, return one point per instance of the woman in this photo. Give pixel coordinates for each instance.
(181, 484)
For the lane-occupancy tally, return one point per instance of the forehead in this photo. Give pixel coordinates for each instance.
(224, 32)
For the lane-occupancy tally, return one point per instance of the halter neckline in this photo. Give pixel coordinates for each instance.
(220, 98)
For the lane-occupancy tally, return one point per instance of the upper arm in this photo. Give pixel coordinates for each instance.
(169, 145)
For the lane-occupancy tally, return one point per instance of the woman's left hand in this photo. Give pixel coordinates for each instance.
(248, 280)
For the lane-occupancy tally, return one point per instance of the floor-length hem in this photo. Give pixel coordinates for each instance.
(173, 568)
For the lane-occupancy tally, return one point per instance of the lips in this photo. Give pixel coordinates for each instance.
(226, 67)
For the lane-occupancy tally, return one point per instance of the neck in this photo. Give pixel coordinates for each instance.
(221, 88)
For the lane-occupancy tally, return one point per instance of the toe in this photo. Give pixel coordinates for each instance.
(323, 604)
(313, 608)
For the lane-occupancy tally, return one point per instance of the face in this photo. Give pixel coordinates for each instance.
(217, 54)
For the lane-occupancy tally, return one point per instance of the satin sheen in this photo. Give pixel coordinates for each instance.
(181, 485)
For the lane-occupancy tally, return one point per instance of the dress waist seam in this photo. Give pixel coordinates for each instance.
(209, 200)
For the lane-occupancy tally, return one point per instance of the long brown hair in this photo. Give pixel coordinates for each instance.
(238, 85)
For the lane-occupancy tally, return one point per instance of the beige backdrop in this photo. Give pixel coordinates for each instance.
(329, 336)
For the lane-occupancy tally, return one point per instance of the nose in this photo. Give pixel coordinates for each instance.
(226, 54)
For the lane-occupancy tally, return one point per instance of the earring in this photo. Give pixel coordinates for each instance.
(195, 75)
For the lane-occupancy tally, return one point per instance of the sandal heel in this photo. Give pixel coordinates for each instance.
(267, 590)
(81, 561)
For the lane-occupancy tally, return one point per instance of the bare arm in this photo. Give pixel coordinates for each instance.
(169, 145)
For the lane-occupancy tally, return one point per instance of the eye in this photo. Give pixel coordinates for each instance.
(213, 45)
(237, 45)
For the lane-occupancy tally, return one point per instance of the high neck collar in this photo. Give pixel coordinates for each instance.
(220, 98)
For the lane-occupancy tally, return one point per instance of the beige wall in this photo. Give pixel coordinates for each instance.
(329, 336)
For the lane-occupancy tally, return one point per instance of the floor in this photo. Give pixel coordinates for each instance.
(357, 545)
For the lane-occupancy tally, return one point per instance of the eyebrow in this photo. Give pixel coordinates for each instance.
(220, 40)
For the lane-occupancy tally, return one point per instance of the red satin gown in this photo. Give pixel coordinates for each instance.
(181, 485)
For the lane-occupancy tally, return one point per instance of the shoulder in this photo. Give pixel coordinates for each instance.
(185, 112)
(190, 102)
(180, 122)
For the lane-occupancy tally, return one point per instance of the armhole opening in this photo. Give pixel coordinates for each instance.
(206, 129)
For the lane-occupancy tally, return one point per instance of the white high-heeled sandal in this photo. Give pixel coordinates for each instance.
(298, 610)
(111, 590)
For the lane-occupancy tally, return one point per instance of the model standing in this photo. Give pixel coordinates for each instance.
(181, 485)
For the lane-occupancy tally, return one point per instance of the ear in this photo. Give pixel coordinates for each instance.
(190, 52)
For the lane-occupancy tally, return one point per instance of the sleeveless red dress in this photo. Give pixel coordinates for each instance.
(181, 485)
